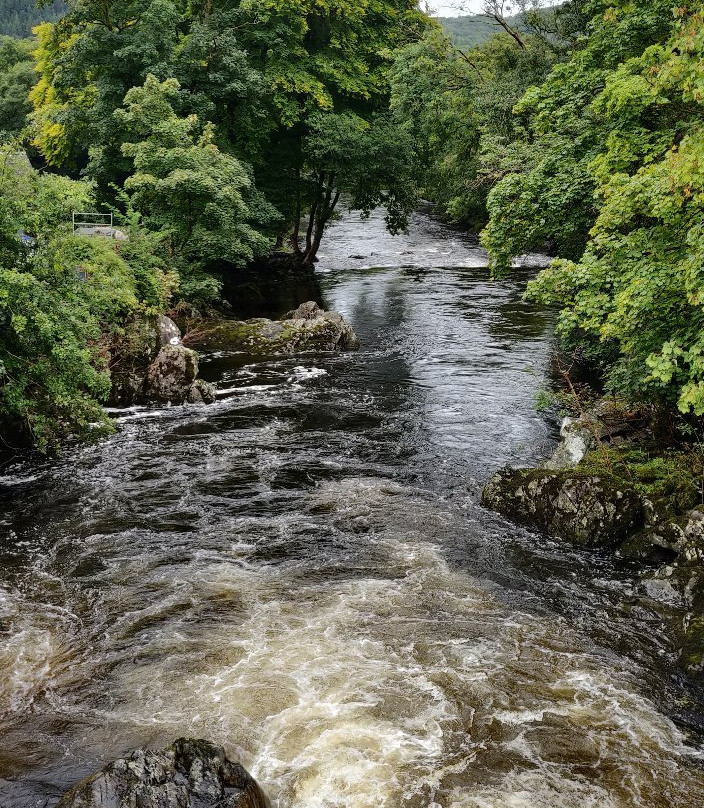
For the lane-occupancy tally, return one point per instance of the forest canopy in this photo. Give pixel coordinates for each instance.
(18, 17)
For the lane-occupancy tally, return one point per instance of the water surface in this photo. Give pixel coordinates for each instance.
(303, 573)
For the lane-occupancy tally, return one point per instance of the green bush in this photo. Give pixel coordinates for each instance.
(61, 302)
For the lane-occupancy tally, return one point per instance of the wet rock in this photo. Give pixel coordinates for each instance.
(148, 364)
(171, 375)
(680, 538)
(200, 392)
(586, 510)
(578, 437)
(306, 311)
(660, 589)
(169, 332)
(680, 586)
(130, 356)
(188, 774)
(307, 328)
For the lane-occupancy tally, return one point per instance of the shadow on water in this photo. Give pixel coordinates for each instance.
(302, 572)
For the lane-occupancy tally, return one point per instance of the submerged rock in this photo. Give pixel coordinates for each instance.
(149, 364)
(188, 774)
(586, 510)
(307, 328)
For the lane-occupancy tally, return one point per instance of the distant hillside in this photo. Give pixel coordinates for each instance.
(469, 31)
(18, 16)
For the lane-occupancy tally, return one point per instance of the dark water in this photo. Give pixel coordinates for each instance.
(303, 573)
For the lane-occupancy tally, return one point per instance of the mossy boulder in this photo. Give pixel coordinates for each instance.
(307, 328)
(189, 774)
(148, 364)
(674, 538)
(586, 510)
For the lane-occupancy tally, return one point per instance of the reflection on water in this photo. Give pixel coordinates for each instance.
(302, 572)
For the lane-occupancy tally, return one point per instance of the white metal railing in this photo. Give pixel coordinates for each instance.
(90, 223)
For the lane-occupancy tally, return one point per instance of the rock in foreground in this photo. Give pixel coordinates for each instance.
(587, 510)
(307, 328)
(188, 774)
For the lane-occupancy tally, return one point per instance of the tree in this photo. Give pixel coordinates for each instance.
(370, 161)
(60, 303)
(262, 72)
(17, 76)
(18, 17)
(637, 293)
(459, 106)
(498, 11)
(550, 198)
(186, 188)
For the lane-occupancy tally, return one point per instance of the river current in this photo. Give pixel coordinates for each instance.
(303, 573)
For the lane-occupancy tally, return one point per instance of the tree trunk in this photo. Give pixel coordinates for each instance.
(325, 209)
(510, 31)
(295, 235)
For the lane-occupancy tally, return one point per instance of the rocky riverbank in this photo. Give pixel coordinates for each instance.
(610, 485)
(150, 362)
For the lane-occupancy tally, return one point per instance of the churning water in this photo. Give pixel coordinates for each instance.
(302, 572)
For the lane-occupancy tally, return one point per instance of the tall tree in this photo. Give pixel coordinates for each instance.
(191, 192)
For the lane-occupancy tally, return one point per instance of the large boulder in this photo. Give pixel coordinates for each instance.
(172, 373)
(188, 774)
(587, 510)
(307, 328)
(149, 364)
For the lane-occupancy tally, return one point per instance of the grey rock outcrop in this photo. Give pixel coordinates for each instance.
(307, 328)
(577, 438)
(188, 774)
(680, 538)
(586, 510)
(172, 373)
(149, 364)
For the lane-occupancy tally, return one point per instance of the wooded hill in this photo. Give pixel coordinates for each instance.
(17, 17)
(474, 29)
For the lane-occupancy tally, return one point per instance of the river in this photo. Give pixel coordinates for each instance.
(302, 572)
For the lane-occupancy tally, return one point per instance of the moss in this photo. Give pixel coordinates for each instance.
(693, 650)
(586, 509)
(670, 479)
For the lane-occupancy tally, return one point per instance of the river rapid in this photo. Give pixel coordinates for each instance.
(303, 573)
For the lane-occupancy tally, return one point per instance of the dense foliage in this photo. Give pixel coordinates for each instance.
(17, 77)
(459, 104)
(274, 86)
(61, 299)
(616, 181)
(17, 17)
(218, 130)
